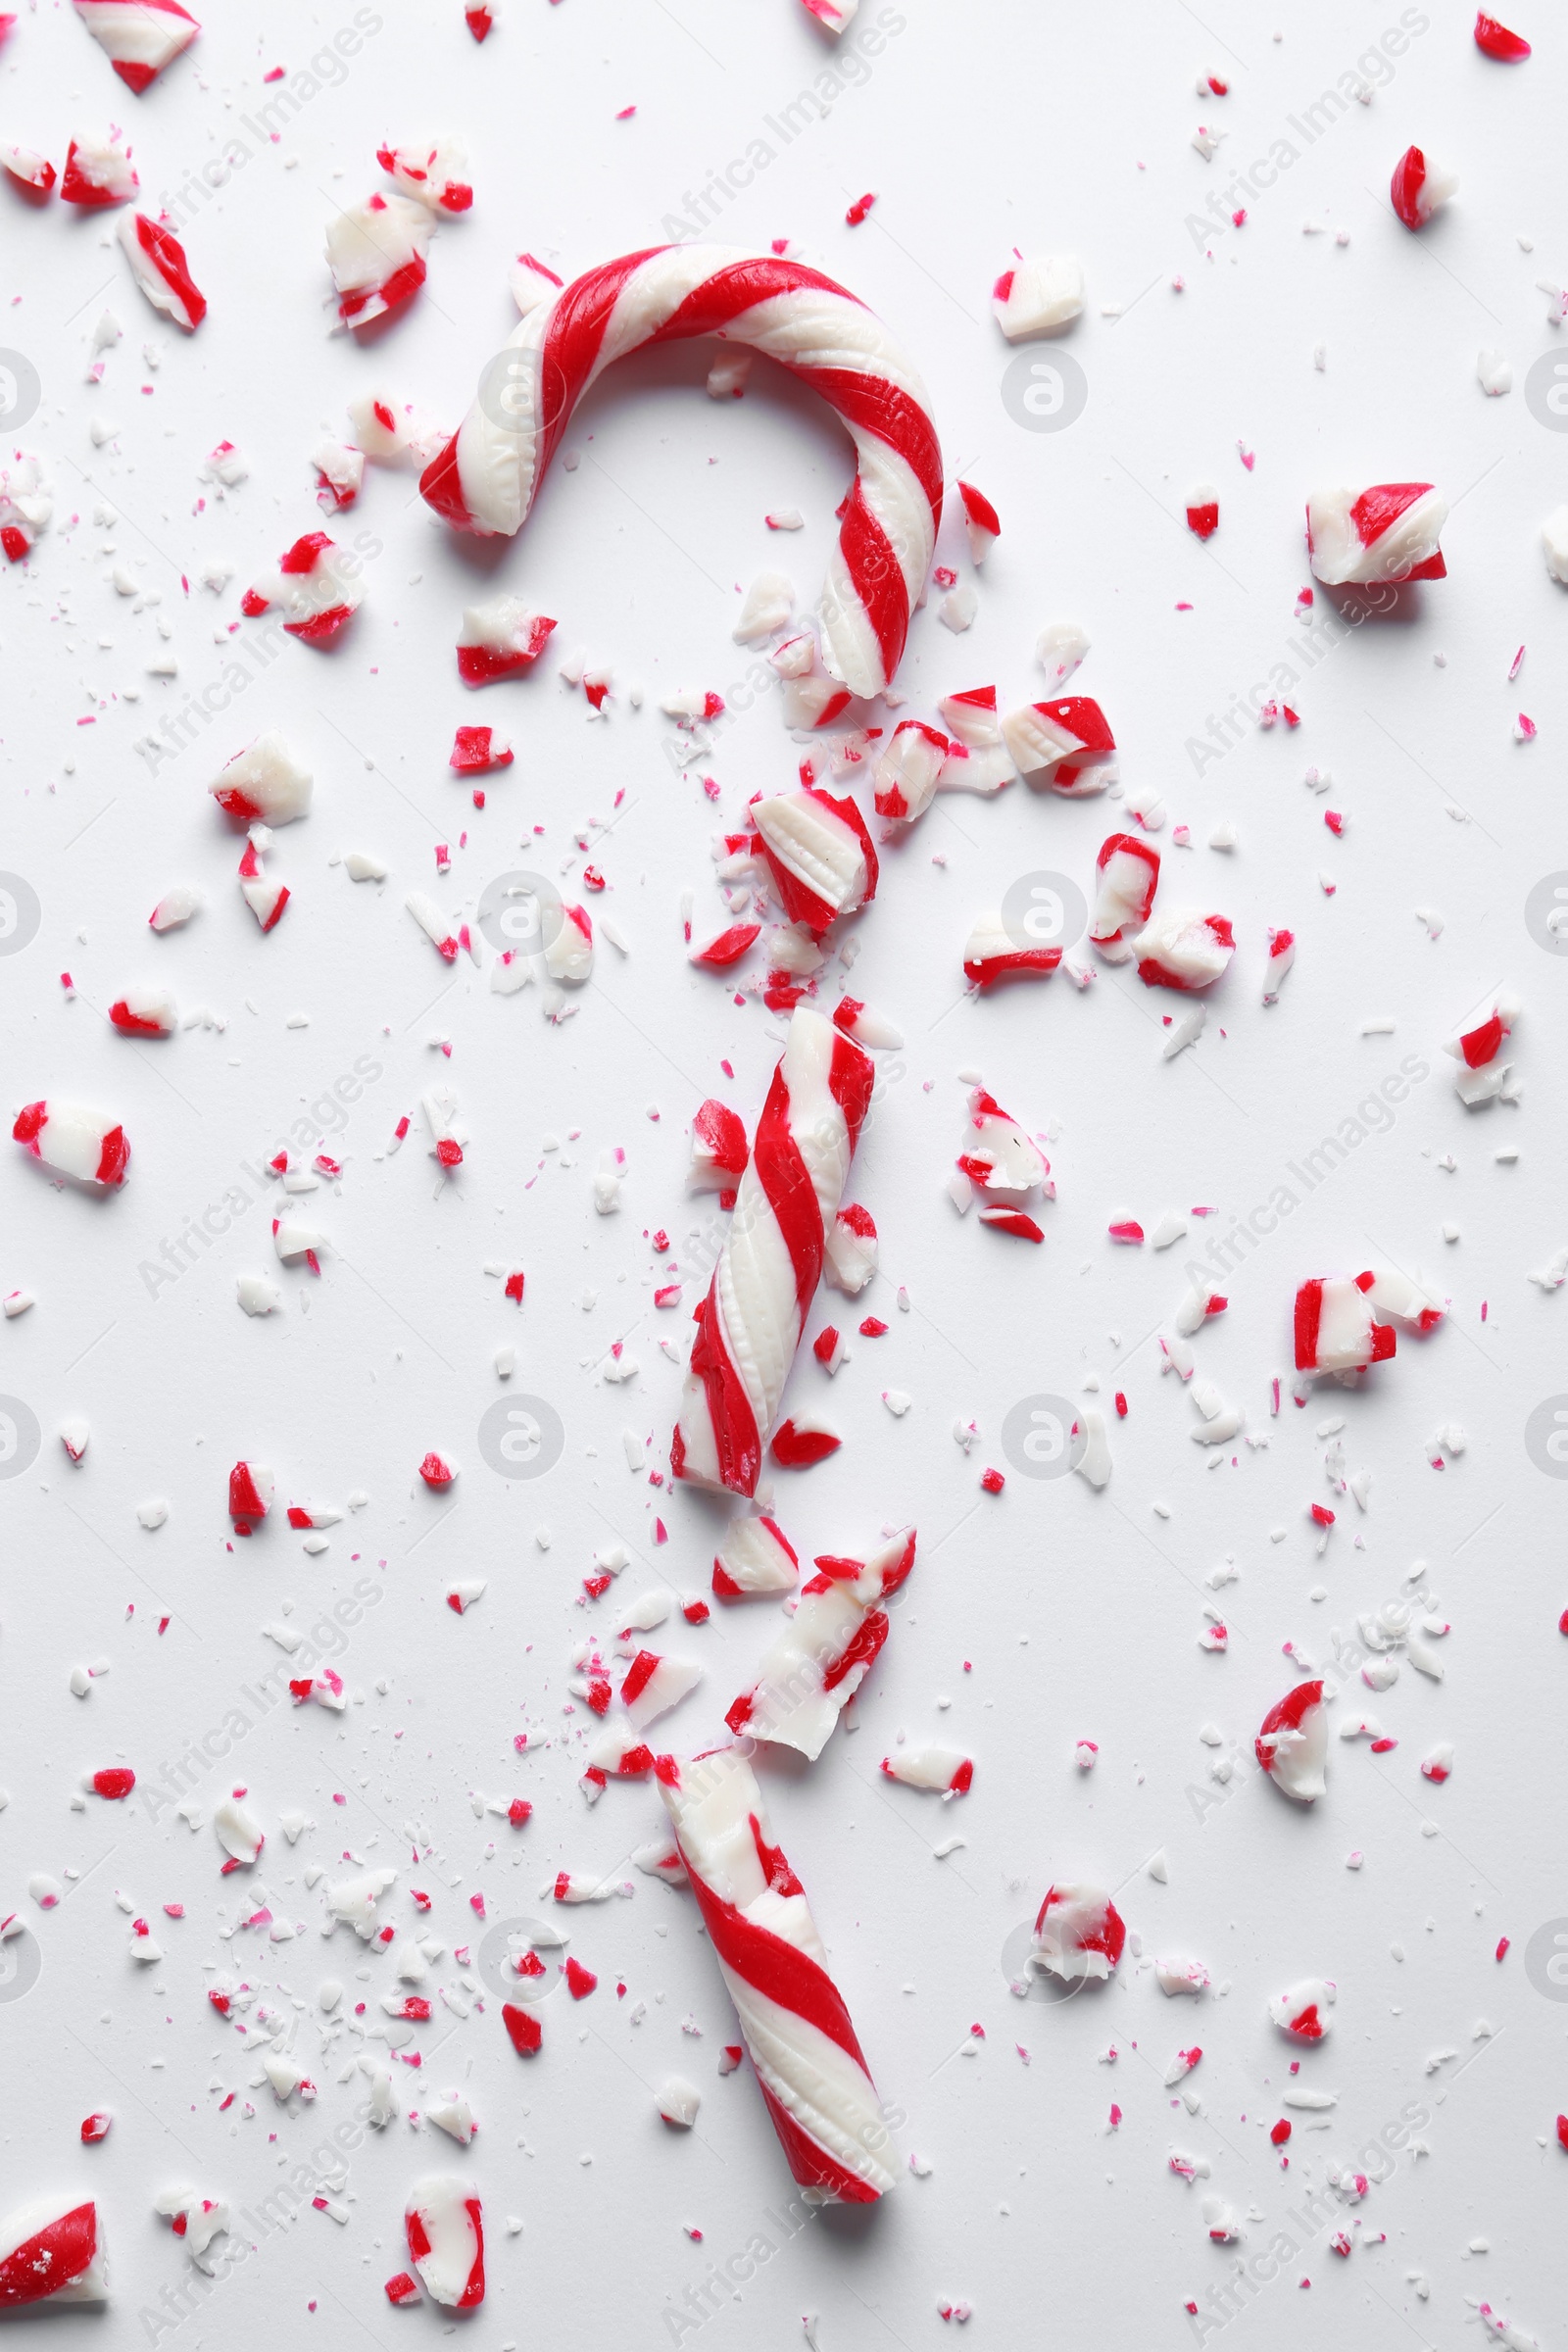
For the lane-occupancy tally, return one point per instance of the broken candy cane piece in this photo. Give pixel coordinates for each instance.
(719, 1150)
(980, 521)
(27, 165)
(832, 15)
(906, 776)
(314, 587)
(339, 473)
(98, 173)
(175, 907)
(499, 639)
(1387, 532)
(1202, 512)
(431, 170)
(52, 2251)
(978, 759)
(251, 1490)
(1410, 1298)
(95, 2128)
(793, 2020)
(75, 1140)
(391, 432)
(1483, 1039)
(353, 1901)
(1079, 1935)
(1183, 948)
(488, 477)
(1298, 2010)
(1418, 188)
(524, 2030)
(1335, 1330)
(139, 38)
(1292, 1742)
(1126, 874)
(749, 1325)
(945, 1769)
(159, 266)
(1281, 957)
(196, 2219)
(445, 2229)
(818, 853)
(447, 1137)
(727, 946)
(114, 1781)
(765, 609)
(1496, 40)
(1438, 1766)
(992, 954)
(475, 750)
(755, 1555)
(569, 953)
(265, 900)
(376, 252)
(802, 1441)
(1174, 1976)
(1066, 745)
(1037, 295)
(25, 506)
(264, 783)
(997, 1154)
(826, 1652)
(238, 1831)
(433, 923)
(145, 1012)
(864, 1023)
(653, 1684)
(438, 1471)
(678, 2101)
(849, 1251)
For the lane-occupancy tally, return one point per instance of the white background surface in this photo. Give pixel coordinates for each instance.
(1077, 1614)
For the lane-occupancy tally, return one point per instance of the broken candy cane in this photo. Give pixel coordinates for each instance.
(98, 173)
(25, 505)
(159, 266)
(376, 252)
(139, 38)
(905, 778)
(1298, 2010)
(978, 759)
(980, 521)
(826, 1651)
(1292, 1742)
(850, 1255)
(315, 587)
(499, 639)
(818, 853)
(265, 900)
(1126, 874)
(249, 1491)
(1417, 188)
(947, 1770)
(793, 2019)
(476, 751)
(1408, 1300)
(755, 1555)
(445, 2229)
(432, 172)
(834, 15)
(749, 1325)
(144, 1012)
(1066, 745)
(1482, 1074)
(75, 1140)
(1183, 949)
(719, 1145)
(1203, 510)
(1037, 295)
(1281, 957)
(1496, 40)
(997, 1154)
(1079, 1934)
(992, 954)
(52, 2252)
(27, 165)
(1387, 532)
(265, 782)
(488, 477)
(1335, 1327)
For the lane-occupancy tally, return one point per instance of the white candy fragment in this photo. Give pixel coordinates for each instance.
(353, 1901)
(176, 908)
(1292, 1742)
(816, 1666)
(906, 775)
(1079, 1935)
(754, 1555)
(1174, 1976)
(257, 1295)
(1493, 374)
(1183, 948)
(1038, 295)
(1126, 877)
(446, 1134)
(850, 1254)
(1410, 1298)
(445, 2231)
(678, 2101)
(264, 784)
(996, 1154)
(453, 2116)
(655, 1683)
(239, 1832)
(25, 503)
(1554, 543)
(74, 1436)
(977, 759)
(1281, 957)
(1299, 2010)
(765, 609)
(197, 2219)
(339, 473)
(434, 171)
(376, 252)
(946, 1770)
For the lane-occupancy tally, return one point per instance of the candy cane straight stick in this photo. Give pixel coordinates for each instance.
(749, 1325)
(488, 475)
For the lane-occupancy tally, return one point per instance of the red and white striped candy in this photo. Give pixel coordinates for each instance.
(475, 750)
(849, 1252)
(75, 1140)
(489, 474)
(826, 1651)
(978, 759)
(376, 252)
(749, 1325)
(1298, 2010)
(793, 2019)
(1389, 1290)
(992, 954)
(755, 1555)
(1079, 1934)
(176, 908)
(653, 1684)
(499, 639)
(1477, 1049)
(1281, 957)
(445, 2229)
(946, 1770)
(52, 2251)
(251, 1490)
(1292, 1743)
(833, 15)
(1335, 1330)
(159, 266)
(981, 522)
(1126, 873)
(431, 170)
(1066, 745)
(1037, 295)
(569, 953)
(139, 38)
(1203, 510)
(145, 1012)
(393, 432)
(997, 1154)
(264, 784)
(312, 587)
(906, 776)
(1183, 949)
(1389, 532)
(265, 900)
(1418, 188)
(818, 853)
(719, 1150)
(98, 173)
(27, 165)
(339, 472)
